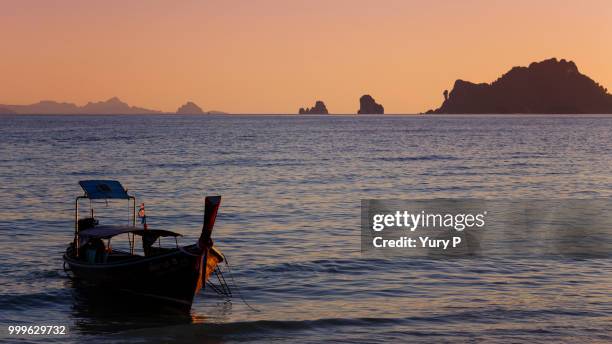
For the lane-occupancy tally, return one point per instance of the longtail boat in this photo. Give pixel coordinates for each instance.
(173, 274)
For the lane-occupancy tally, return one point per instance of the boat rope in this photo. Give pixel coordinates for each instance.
(215, 288)
(223, 283)
(223, 288)
(234, 284)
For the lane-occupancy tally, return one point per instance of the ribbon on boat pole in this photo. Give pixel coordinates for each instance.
(143, 216)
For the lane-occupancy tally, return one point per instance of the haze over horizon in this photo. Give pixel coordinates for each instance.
(274, 56)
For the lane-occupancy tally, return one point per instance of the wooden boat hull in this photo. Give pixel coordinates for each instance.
(175, 276)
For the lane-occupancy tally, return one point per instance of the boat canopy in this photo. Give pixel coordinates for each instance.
(106, 232)
(104, 189)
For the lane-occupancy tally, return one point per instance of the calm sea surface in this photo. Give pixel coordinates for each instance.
(289, 224)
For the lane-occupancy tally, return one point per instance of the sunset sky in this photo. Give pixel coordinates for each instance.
(276, 56)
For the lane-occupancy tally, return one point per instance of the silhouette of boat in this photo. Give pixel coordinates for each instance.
(174, 275)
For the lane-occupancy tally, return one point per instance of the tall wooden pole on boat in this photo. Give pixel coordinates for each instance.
(211, 206)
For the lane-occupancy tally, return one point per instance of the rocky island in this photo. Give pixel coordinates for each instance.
(190, 108)
(548, 87)
(367, 105)
(318, 109)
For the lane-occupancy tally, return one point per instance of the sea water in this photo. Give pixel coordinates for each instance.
(289, 224)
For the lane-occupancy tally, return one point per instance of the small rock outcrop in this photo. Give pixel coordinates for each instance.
(367, 105)
(548, 87)
(318, 109)
(189, 108)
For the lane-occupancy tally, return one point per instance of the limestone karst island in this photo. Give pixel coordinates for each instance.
(318, 109)
(367, 105)
(548, 87)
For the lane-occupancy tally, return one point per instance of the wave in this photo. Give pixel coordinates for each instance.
(247, 328)
(286, 327)
(29, 301)
(418, 158)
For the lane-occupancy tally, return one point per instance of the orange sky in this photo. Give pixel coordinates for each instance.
(276, 56)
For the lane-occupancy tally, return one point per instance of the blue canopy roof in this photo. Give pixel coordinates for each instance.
(103, 189)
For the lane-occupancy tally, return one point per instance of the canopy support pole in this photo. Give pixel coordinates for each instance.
(76, 224)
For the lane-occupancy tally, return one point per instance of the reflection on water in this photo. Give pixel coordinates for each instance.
(289, 224)
(106, 312)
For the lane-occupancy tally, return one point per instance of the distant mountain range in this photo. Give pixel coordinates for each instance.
(547, 87)
(112, 106)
